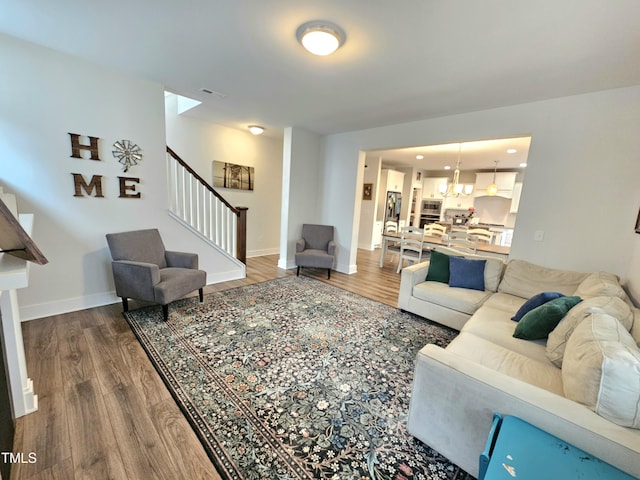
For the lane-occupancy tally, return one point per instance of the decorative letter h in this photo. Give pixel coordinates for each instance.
(76, 146)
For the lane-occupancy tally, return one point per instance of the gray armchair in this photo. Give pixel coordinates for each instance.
(144, 270)
(316, 248)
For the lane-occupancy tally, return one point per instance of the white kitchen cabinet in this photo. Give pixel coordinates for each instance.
(458, 203)
(515, 199)
(431, 186)
(392, 180)
(504, 180)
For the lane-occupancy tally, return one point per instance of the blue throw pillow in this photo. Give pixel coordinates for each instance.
(534, 302)
(466, 273)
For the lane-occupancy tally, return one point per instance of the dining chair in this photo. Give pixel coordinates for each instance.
(483, 234)
(391, 226)
(393, 248)
(463, 242)
(435, 230)
(411, 244)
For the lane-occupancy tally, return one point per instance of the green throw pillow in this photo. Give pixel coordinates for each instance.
(539, 322)
(438, 268)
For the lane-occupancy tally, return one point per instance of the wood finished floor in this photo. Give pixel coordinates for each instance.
(103, 411)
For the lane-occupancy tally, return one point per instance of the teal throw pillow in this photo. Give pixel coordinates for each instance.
(438, 268)
(466, 273)
(540, 322)
(534, 302)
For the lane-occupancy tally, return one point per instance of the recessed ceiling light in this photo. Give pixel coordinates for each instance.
(320, 37)
(256, 129)
(523, 164)
(511, 150)
(419, 157)
(447, 167)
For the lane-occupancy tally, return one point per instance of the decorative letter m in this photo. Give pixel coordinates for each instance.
(80, 184)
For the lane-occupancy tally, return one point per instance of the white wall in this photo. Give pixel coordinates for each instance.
(633, 282)
(341, 201)
(407, 195)
(200, 143)
(301, 181)
(581, 184)
(369, 208)
(52, 94)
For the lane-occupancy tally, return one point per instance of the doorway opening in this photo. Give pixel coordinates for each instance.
(483, 193)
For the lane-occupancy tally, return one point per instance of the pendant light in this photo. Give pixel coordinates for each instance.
(492, 190)
(455, 188)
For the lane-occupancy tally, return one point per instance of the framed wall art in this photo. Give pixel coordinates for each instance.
(230, 175)
(638, 223)
(367, 191)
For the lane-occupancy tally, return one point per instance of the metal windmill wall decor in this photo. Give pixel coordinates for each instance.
(127, 153)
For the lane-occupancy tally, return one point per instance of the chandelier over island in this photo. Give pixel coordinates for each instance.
(455, 188)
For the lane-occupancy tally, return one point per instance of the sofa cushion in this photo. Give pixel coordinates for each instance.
(492, 270)
(540, 321)
(558, 338)
(438, 267)
(504, 360)
(599, 284)
(466, 273)
(635, 329)
(459, 299)
(601, 369)
(525, 279)
(495, 325)
(534, 302)
(505, 302)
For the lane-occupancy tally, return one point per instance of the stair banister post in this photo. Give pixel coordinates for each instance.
(241, 235)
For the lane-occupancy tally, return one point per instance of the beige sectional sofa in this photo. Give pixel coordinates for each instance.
(485, 369)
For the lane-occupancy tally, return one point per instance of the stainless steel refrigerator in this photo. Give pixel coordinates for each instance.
(392, 207)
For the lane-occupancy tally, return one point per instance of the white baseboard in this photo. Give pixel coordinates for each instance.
(260, 253)
(226, 276)
(346, 268)
(58, 307)
(287, 265)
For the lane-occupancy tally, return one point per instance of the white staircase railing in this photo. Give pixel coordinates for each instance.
(197, 204)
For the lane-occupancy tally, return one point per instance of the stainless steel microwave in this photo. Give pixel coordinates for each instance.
(433, 207)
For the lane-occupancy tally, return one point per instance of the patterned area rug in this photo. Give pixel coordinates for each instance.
(296, 379)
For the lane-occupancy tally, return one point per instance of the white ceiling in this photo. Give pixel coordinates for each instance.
(402, 61)
(478, 155)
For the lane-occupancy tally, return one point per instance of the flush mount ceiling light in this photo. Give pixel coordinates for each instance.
(320, 37)
(256, 129)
